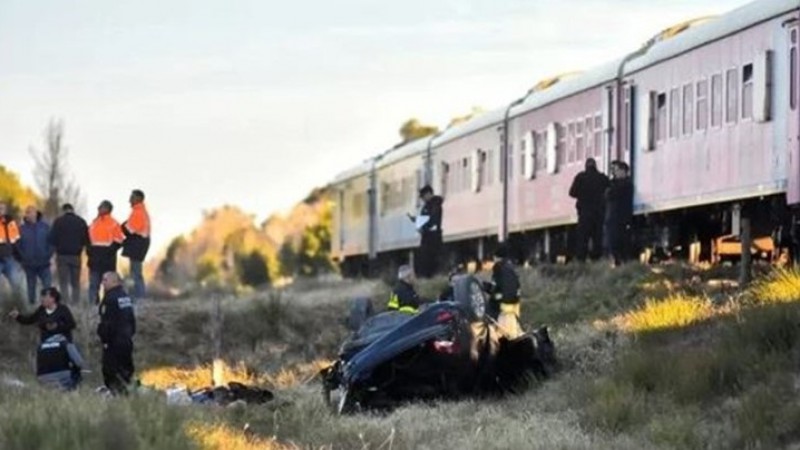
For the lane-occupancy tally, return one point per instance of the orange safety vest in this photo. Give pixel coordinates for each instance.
(139, 221)
(9, 232)
(105, 231)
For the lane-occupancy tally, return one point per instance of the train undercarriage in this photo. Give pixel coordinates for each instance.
(703, 234)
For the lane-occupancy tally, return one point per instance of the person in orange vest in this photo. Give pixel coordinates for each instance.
(137, 240)
(9, 235)
(105, 238)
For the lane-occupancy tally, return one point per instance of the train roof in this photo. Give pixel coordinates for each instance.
(362, 169)
(741, 18)
(480, 122)
(412, 148)
(566, 88)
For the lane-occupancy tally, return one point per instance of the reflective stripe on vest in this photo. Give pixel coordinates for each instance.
(394, 302)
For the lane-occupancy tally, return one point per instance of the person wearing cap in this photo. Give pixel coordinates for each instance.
(506, 293)
(619, 211)
(137, 240)
(35, 251)
(429, 225)
(404, 297)
(69, 236)
(105, 239)
(588, 188)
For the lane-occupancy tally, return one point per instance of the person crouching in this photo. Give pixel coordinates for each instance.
(506, 296)
(403, 297)
(58, 363)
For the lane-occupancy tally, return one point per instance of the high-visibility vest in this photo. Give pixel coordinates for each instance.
(9, 232)
(105, 231)
(394, 304)
(139, 221)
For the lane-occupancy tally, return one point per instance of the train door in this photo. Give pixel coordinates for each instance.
(372, 209)
(793, 127)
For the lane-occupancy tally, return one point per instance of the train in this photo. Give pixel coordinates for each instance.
(705, 113)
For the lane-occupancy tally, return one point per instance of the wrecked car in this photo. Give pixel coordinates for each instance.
(449, 349)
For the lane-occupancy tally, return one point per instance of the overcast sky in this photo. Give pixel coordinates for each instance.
(253, 103)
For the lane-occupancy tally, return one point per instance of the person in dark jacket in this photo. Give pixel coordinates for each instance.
(51, 317)
(429, 225)
(35, 251)
(404, 297)
(137, 240)
(116, 330)
(506, 293)
(589, 188)
(69, 236)
(619, 212)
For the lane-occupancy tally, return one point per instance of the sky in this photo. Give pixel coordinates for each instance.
(254, 102)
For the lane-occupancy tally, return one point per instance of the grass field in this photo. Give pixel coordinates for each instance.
(653, 357)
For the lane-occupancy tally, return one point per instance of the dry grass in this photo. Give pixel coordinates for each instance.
(676, 311)
(224, 437)
(781, 286)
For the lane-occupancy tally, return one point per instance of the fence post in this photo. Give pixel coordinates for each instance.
(747, 244)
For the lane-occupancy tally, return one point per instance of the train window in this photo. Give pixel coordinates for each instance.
(579, 150)
(702, 105)
(489, 154)
(598, 135)
(688, 108)
(561, 145)
(661, 117)
(589, 129)
(466, 174)
(731, 95)
(716, 100)
(747, 91)
(571, 142)
(522, 150)
(674, 112)
(541, 151)
(624, 123)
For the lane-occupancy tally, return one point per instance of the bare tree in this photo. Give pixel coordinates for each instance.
(53, 181)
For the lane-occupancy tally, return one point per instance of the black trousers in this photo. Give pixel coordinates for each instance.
(426, 260)
(590, 228)
(118, 365)
(617, 235)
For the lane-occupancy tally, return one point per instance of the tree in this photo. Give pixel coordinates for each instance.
(53, 181)
(314, 254)
(167, 267)
(412, 129)
(14, 193)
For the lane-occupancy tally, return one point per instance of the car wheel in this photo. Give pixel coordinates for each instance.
(468, 293)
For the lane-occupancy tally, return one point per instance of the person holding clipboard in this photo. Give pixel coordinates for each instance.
(429, 225)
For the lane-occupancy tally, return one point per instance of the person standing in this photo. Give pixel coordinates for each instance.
(116, 330)
(137, 240)
(507, 293)
(69, 235)
(589, 188)
(9, 236)
(105, 238)
(35, 251)
(619, 211)
(429, 225)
